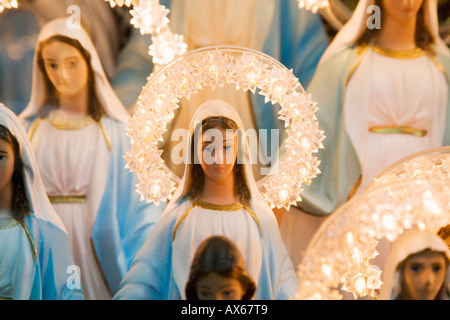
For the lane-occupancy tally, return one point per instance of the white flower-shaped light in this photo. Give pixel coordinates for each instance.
(313, 5)
(8, 4)
(346, 241)
(121, 3)
(166, 46)
(217, 66)
(151, 18)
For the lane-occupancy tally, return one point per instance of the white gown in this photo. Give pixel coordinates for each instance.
(72, 163)
(388, 91)
(205, 220)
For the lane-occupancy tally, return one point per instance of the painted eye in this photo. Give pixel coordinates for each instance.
(2, 157)
(416, 268)
(209, 150)
(437, 268)
(203, 295)
(227, 148)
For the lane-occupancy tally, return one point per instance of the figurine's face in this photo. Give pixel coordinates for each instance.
(423, 275)
(402, 10)
(6, 165)
(217, 153)
(66, 68)
(214, 286)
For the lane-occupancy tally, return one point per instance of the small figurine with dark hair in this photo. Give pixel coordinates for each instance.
(218, 272)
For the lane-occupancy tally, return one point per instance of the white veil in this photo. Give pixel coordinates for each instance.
(106, 95)
(39, 202)
(357, 25)
(214, 108)
(411, 241)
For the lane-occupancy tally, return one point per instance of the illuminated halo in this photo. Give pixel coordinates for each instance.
(217, 66)
(431, 163)
(338, 256)
(8, 4)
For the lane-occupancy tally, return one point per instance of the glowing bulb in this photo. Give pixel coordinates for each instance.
(155, 190)
(283, 195)
(350, 239)
(360, 285)
(357, 255)
(326, 269)
(432, 206)
(388, 221)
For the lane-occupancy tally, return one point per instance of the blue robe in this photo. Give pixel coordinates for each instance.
(340, 168)
(43, 270)
(123, 222)
(151, 273)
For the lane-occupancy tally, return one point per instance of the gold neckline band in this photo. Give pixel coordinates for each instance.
(398, 54)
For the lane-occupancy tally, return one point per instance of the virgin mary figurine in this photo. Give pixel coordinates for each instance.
(215, 197)
(418, 268)
(383, 94)
(36, 261)
(76, 125)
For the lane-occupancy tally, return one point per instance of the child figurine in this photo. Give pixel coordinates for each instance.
(418, 268)
(76, 125)
(36, 261)
(217, 196)
(218, 273)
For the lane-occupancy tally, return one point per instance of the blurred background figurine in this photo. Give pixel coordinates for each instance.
(76, 125)
(215, 197)
(36, 261)
(418, 268)
(383, 94)
(218, 272)
(108, 28)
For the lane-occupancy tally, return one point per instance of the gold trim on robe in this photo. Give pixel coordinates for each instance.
(10, 223)
(399, 130)
(67, 199)
(70, 124)
(361, 50)
(30, 240)
(398, 54)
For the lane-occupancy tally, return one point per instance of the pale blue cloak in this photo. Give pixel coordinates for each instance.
(151, 274)
(53, 258)
(123, 222)
(340, 168)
